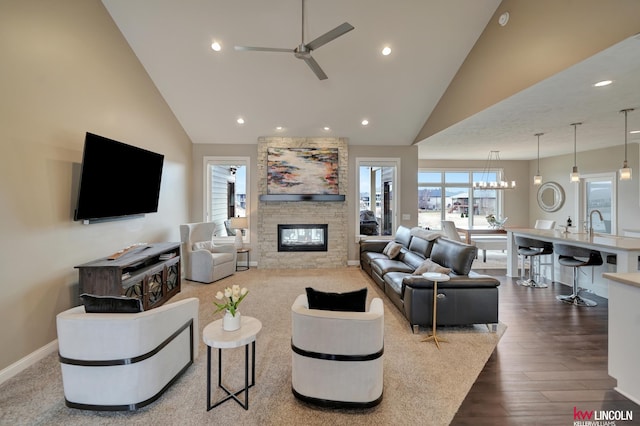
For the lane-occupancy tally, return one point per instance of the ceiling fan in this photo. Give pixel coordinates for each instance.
(303, 51)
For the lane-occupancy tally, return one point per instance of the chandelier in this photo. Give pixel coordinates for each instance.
(490, 175)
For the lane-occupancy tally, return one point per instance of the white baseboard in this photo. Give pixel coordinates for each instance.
(353, 263)
(28, 361)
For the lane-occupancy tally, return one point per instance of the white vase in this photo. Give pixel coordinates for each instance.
(230, 322)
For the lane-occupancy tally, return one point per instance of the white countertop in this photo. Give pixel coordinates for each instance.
(629, 278)
(603, 241)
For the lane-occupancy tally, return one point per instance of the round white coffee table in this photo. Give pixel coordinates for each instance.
(215, 337)
(436, 277)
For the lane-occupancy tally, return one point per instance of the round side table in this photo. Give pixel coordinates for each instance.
(435, 277)
(215, 337)
(247, 252)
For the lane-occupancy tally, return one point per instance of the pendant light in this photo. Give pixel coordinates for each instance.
(575, 175)
(625, 171)
(537, 179)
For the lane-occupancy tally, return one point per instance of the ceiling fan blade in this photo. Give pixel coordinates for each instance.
(262, 49)
(331, 35)
(315, 68)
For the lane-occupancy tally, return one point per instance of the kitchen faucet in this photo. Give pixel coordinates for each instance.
(591, 219)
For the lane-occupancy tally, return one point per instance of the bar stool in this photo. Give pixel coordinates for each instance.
(576, 257)
(546, 260)
(531, 248)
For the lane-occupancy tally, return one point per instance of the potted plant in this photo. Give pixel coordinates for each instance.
(229, 301)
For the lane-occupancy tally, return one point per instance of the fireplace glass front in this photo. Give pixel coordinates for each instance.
(294, 237)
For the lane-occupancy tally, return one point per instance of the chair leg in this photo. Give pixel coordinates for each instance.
(528, 281)
(539, 283)
(574, 298)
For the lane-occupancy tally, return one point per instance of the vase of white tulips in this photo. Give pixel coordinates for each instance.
(229, 301)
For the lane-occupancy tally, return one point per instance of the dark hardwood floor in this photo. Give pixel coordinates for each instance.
(551, 361)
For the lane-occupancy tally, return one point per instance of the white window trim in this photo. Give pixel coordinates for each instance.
(444, 185)
(377, 161)
(581, 198)
(230, 161)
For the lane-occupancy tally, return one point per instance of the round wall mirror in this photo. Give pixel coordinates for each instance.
(550, 196)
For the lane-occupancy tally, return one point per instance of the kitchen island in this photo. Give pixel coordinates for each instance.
(620, 253)
(624, 335)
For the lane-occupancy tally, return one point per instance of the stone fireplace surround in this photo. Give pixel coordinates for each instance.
(272, 213)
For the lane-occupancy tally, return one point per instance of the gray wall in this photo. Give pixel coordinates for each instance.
(66, 70)
(557, 169)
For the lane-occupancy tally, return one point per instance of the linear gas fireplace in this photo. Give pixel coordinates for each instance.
(295, 237)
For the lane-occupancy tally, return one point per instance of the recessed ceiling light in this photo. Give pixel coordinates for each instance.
(279, 128)
(216, 46)
(365, 122)
(326, 128)
(503, 19)
(386, 50)
(603, 83)
(240, 120)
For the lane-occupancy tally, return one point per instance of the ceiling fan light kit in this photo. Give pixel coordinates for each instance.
(303, 51)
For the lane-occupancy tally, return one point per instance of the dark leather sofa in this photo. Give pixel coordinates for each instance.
(467, 298)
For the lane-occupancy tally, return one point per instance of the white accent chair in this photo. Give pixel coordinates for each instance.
(116, 362)
(337, 357)
(450, 231)
(482, 242)
(204, 261)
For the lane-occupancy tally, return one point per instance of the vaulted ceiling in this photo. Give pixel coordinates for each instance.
(429, 40)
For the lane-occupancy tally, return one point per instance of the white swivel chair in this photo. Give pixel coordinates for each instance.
(204, 261)
(337, 357)
(117, 361)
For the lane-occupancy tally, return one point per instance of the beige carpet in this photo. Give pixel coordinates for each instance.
(422, 385)
(496, 259)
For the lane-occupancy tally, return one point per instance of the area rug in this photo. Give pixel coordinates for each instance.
(496, 259)
(422, 385)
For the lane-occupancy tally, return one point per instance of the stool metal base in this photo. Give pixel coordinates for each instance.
(525, 283)
(574, 299)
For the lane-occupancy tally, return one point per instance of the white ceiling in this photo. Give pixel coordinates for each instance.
(208, 91)
(550, 107)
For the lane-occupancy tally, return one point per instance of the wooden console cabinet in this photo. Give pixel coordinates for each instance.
(150, 272)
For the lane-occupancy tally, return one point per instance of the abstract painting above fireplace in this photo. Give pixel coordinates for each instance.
(307, 237)
(302, 171)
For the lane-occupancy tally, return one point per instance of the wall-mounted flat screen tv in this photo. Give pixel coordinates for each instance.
(117, 180)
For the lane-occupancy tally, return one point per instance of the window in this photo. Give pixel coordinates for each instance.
(378, 196)
(449, 195)
(226, 193)
(599, 193)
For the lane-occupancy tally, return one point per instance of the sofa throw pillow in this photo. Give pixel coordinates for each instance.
(94, 304)
(392, 250)
(353, 301)
(430, 266)
(202, 245)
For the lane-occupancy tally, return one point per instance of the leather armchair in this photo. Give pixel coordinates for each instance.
(337, 357)
(115, 362)
(204, 261)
